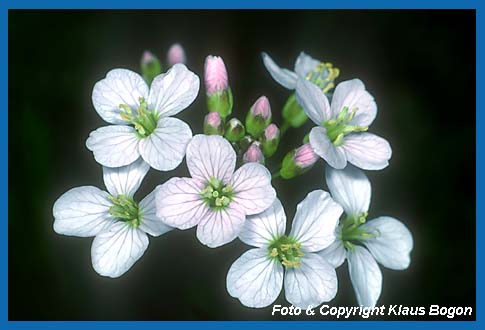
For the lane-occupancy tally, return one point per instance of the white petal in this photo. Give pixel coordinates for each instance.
(114, 252)
(150, 222)
(220, 227)
(260, 229)
(365, 275)
(305, 64)
(165, 148)
(210, 156)
(334, 253)
(393, 242)
(255, 279)
(334, 156)
(367, 151)
(173, 91)
(350, 188)
(284, 77)
(125, 180)
(311, 284)
(352, 94)
(114, 145)
(179, 203)
(82, 211)
(315, 221)
(313, 101)
(252, 188)
(120, 86)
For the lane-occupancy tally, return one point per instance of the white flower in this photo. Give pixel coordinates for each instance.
(141, 117)
(120, 225)
(340, 135)
(384, 239)
(216, 198)
(257, 277)
(306, 68)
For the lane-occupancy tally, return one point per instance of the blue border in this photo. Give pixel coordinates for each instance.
(238, 4)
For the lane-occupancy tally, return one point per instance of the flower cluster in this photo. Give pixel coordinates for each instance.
(228, 193)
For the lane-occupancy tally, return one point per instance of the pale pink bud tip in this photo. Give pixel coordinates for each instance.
(271, 132)
(213, 119)
(147, 57)
(215, 75)
(176, 54)
(261, 107)
(305, 156)
(253, 154)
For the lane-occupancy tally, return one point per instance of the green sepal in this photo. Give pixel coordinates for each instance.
(293, 113)
(220, 102)
(255, 125)
(234, 132)
(151, 69)
(269, 147)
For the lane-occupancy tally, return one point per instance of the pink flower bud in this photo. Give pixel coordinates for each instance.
(261, 107)
(213, 124)
(215, 75)
(305, 156)
(176, 54)
(253, 154)
(213, 119)
(271, 132)
(147, 57)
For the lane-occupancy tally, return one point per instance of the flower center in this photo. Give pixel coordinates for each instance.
(338, 127)
(144, 120)
(323, 76)
(286, 250)
(125, 209)
(217, 194)
(352, 231)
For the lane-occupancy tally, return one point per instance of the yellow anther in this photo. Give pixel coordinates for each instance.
(274, 252)
(328, 87)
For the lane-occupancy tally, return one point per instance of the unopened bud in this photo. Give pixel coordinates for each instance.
(258, 117)
(305, 157)
(150, 66)
(293, 113)
(254, 154)
(270, 140)
(235, 130)
(176, 54)
(219, 95)
(298, 161)
(213, 124)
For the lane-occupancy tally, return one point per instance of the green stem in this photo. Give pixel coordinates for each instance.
(276, 175)
(284, 127)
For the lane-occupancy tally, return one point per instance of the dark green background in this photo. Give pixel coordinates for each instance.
(419, 65)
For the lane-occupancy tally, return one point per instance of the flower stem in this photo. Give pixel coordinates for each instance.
(276, 175)
(284, 127)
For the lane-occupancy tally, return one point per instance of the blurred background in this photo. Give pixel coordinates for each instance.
(419, 66)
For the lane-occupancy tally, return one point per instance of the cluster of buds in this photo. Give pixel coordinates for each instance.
(257, 138)
(262, 134)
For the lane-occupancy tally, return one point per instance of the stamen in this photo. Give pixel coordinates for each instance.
(337, 128)
(323, 76)
(287, 251)
(216, 194)
(144, 120)
(125, 209)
